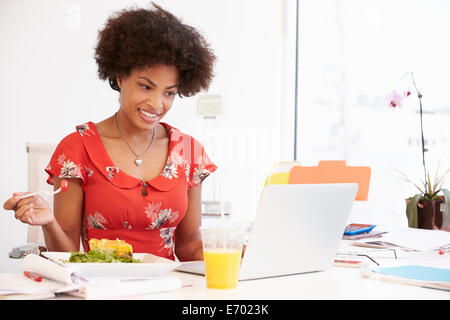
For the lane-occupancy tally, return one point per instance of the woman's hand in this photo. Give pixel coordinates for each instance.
(33, 210)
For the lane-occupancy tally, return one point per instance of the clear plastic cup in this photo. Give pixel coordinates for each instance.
(222, 251)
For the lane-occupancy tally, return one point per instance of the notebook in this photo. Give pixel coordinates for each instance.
(420, 275)
(297, 229)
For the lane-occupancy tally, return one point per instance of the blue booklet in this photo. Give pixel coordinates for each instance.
(424, 276)
(414, 272)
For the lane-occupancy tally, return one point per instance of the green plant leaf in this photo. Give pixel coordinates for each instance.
(442, 178)
(446, 216)
(411, 211)
(405, 177)
(435, 195)
(430, 191)
(436, 177)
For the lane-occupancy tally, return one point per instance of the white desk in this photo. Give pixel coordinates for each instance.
(335, 283)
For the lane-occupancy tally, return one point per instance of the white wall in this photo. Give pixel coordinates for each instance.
(48, 85)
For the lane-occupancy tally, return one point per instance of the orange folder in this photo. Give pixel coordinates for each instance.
(333, 172)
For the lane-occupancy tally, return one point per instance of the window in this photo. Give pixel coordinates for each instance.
(352, 54)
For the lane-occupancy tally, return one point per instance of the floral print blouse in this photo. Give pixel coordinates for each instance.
(119, 206)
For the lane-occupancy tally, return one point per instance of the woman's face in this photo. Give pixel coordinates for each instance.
(147, 95)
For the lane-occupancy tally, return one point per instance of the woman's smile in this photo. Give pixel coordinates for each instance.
(149, 116)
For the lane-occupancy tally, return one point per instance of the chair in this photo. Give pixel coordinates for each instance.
(39, 155)
(336, 171)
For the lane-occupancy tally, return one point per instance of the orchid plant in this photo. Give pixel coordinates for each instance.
(427, 190)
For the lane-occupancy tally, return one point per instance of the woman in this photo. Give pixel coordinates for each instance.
(131, 176)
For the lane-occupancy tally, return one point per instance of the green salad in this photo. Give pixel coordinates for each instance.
(96, 255)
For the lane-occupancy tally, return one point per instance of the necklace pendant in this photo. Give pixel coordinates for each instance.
(138, 162)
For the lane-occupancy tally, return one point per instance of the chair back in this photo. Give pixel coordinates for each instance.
(39, 155)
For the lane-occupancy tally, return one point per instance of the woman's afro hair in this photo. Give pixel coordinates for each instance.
(140, 38)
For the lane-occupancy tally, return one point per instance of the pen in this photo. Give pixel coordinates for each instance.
(32, 276)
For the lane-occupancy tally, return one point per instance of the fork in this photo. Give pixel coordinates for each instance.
(62, 188)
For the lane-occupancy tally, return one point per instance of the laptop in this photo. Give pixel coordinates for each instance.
(297, 229)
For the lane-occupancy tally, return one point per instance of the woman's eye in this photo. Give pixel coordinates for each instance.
(145, 86)
(171, 93)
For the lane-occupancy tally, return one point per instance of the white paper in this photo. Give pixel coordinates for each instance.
(47, 269)
(416, 239)
(17, 286)
(120, 288)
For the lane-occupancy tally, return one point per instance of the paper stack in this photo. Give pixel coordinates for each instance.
(116, 288)
(410, 239)
(60, 279)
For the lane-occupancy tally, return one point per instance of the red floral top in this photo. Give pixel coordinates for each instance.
(117, 205)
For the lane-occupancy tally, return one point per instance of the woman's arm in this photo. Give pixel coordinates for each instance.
(62, 227)
(63, 233)
(188, 243)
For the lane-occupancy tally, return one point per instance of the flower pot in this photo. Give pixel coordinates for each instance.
(426, 214)
(429, 213)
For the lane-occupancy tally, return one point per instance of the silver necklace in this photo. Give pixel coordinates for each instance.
(138, 160)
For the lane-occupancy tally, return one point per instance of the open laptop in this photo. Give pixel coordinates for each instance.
(297, 229)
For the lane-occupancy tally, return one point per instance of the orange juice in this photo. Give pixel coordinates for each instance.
(222, 267)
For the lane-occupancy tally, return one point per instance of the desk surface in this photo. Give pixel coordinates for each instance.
(335, 283)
